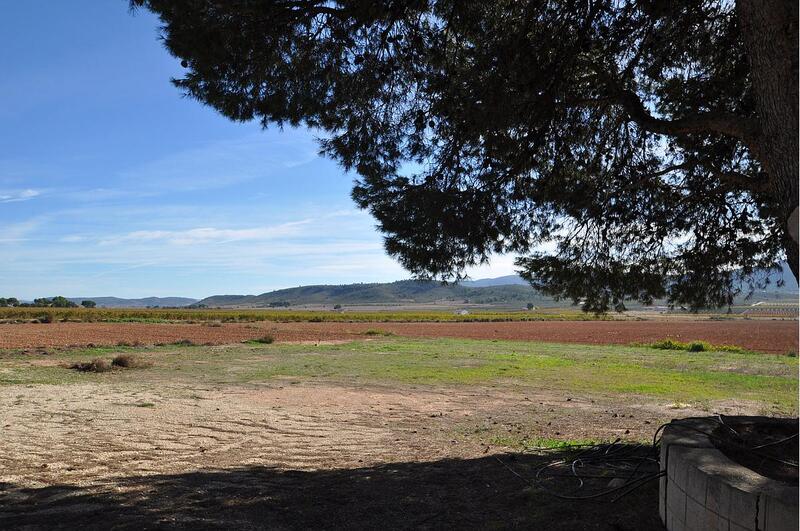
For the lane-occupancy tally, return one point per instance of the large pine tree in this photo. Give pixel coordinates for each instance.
(625, 150)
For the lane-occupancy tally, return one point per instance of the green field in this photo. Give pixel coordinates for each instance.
(697, 378)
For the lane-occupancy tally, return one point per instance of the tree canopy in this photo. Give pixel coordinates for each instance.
(55, 302)
(625, 150)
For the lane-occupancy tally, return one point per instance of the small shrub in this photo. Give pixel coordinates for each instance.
(96, 365)
(129, 361)
(47, 317)
(697, 346)
(267, 339)
(792, 353)
(184, 343)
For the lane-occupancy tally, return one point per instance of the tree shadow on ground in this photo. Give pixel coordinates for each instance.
(447, 494)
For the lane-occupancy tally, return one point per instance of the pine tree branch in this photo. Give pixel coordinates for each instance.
(744, 129)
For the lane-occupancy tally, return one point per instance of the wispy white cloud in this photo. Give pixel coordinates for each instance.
(73, 238)
(207, 166)
(12, 196)
(86, 195)
(203, 235)
(142, 230)
(334, 247)
(221, 164)
(20, 231)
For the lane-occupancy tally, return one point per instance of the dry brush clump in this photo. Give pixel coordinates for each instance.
(378, 332)
(47, 317)
(129, 361)
(96, 365)
(129, 344)
(121, 361)
(184, 343)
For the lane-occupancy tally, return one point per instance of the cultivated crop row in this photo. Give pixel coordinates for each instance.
(155, 315)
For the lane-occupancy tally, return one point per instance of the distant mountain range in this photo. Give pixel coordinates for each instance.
(116, 302)
(506, 290)
(404, 291)
(509, 290)
(785, 276)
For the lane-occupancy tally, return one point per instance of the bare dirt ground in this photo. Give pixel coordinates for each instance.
(773, 336)
(300, 455)
(229, 437)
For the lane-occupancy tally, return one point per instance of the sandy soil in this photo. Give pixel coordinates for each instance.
(296, 455)
(774, 336)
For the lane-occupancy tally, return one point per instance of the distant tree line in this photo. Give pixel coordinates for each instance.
(44, 302)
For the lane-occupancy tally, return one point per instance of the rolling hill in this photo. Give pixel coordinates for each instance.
(404, 291)
(509, 290)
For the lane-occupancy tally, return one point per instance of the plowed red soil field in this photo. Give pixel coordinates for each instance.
(762, 335)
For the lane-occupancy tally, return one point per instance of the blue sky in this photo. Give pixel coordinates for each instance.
(113, 183)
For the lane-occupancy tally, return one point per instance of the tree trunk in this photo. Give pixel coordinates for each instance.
(769, 29)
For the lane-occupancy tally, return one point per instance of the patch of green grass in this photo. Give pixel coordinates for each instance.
(677, 376)
(18, 368)
(538, 443)
(674, 376)
(50, 375)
